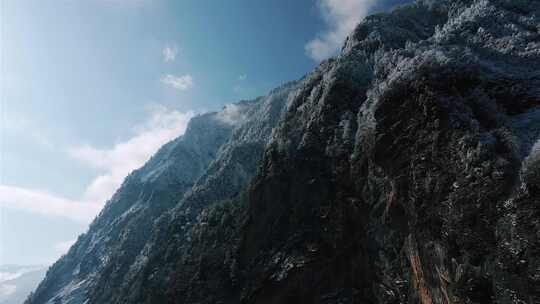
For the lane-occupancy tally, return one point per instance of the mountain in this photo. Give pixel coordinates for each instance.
(215, 157)
(17, 282)
(405, 170)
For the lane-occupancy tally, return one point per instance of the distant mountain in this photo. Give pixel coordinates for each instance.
(17, 282)
(405, 170)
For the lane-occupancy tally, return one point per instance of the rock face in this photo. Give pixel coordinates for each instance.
(405, 170)
(216, 157)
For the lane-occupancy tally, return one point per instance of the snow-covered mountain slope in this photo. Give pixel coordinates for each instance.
(405, 170)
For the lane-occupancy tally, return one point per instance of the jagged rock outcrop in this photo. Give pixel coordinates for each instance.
(215, 157)
(405, 170)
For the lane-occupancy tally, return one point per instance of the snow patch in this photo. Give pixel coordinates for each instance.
(72, 293)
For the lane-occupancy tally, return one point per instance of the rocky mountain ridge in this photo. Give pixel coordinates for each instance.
(405, 170)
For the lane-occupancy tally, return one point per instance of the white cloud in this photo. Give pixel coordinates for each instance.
(115, 163)
(45, 203)
(63, 247)
(178, 82)
(169, 53)
(341, 16)
(118, 161)
(7, 290)
(231, 114)
(16, 273)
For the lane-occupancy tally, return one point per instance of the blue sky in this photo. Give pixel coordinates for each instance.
(85, 84)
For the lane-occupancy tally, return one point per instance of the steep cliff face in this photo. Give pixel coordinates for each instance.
(407, 169)
(208, 160)
(122, 227)
(231, 171)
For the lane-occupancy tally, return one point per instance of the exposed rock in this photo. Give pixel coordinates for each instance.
(405, 170)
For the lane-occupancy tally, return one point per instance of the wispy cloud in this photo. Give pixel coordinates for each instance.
(231, 114)
(7, 290)
(115, 163)
(341, 16)
(169, 53)
(178, 82)
(118, 161)
(63, 247)
(16, 272)
(44, 203)
(242, 77)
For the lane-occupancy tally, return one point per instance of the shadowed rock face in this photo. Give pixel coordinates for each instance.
(406, 170)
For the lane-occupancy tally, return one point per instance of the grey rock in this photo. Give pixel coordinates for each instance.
(405, 170)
